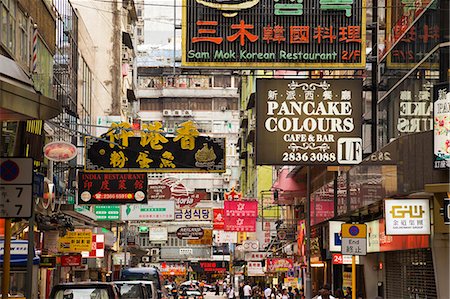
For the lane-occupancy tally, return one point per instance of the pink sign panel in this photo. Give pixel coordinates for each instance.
(240, 224)
(279, 265)
(241, 209)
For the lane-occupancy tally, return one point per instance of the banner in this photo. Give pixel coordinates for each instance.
(279, 264)
(154, 210)
(154, 152)
(305, 122)
(262, 34)
(241, 209)
(112, 188)
(239, 224)
(173, 269)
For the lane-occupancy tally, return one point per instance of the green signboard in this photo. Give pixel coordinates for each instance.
(107, 212)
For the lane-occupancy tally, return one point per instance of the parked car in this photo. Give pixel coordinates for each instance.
(131, 290)
(149, 287)
(83, 290)
(189, 292)
(146, 274)
(206, 287)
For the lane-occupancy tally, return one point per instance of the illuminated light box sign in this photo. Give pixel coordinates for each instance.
(407, 216)
(308, 122)
(301, 34)
(441, 126)
(112, 188)
(120, 150)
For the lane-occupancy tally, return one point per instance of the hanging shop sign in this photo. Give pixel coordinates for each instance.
(335, 236)
(108, 188)
(173, 269)
(255, 256)
(240, 224)
(250, 245)
(265, 231)
(158, 233)
(279, 265)
(107, 212)
(407, 216)
(153, 210)
(97, 247)
(119, 150)
(218, 267)
(232, 195)
(223, 237)
(60, 151)
(71, 260)
(301, 35)
(198, 214)
(308, 122)
(441, 122)
(190, 233)
(47, 261)
(343, 259)
(75, 242)
(171, 188)
(158, 192)
(255, 269)
(206, 239)
(218, 219)
(409, 39)
(241, 209)
(446, 210)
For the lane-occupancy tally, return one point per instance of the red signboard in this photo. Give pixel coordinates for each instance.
(240, 224)
(170, 188)
(218, 219)
(279, 265)
(241, 209)
(112, 188)
(233, 195)
(71, 260)
(395, 242)
(213, 267)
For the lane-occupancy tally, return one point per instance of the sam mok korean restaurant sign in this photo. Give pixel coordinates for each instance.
(319, 34)
(308, 122)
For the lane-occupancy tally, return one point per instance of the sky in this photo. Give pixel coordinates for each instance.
(159, 15)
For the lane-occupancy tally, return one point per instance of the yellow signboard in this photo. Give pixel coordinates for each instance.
(75, 242)
(354, 230)
(205, 240)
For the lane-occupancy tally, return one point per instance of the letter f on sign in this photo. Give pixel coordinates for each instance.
(349, 150)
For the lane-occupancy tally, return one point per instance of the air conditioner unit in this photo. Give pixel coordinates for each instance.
(187, 112)
(167, 112)
(146, 259)
(177, 112)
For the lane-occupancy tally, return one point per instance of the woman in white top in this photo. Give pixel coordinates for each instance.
(230, 292)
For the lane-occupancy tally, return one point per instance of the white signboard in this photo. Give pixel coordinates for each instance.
(18, 247)
(335, 236)
(354, 246)
(158, 233)
(153, 210)
(186, 251)
(16, 189)
(264, 232)
(251, 245)
(407, 216)
(255, 269)
(373, 236)
(255, 256)
(223, 237)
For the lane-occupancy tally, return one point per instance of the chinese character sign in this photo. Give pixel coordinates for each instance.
(107, 188)
(407, 216)
(308, 122)
(154, 210)
(273, 34)
(241, 209)
(120, 150)
(441, 126)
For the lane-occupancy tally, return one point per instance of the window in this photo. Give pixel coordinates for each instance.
(139, 31)
(22, 38)
(8, 22)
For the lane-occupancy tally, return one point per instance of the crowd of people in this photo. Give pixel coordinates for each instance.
(259, 291)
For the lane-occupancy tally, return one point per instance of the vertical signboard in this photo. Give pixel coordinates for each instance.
(308, 122)
(313, 34)
(441, 117)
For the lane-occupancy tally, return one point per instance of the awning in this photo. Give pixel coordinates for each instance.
(126, 40)
(18, 98)
(288, 188)
(19, 253)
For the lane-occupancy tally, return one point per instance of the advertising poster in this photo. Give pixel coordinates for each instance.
(441, 126)
(305, 122)
(279, 264)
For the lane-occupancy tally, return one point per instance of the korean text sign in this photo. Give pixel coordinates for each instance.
(308, 122)
(194, 214)
(152, 151)
(116, 188)
(272, 34)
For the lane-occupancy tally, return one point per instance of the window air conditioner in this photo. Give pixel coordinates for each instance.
(177, 112)
(167, 112)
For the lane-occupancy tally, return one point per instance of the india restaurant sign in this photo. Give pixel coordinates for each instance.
(308, 122)
(314, 34)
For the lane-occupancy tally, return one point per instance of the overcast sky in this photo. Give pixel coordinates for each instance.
(159, 25)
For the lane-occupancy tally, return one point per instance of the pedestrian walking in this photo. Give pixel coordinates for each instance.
(230, 292)
(325, 293)
(217, 288)
(267, 293)
(290, 293)
(247, 291)
(224, 287)
(285, 294)
(241, 290)
(349, 293)
(339, 294)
